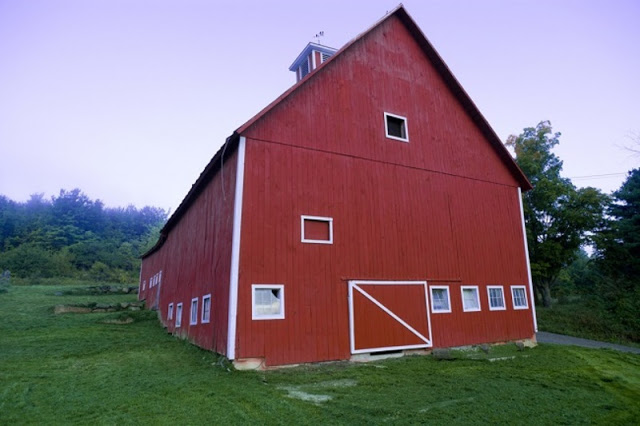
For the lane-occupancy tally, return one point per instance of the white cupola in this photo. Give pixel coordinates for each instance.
(311, 57)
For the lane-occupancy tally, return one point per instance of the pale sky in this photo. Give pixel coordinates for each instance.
(128, 100)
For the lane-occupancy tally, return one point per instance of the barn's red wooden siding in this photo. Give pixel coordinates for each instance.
(195, 261)
(390, 223)
(442, 208)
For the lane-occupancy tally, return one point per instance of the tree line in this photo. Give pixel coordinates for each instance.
(71, 235)
(563, 220)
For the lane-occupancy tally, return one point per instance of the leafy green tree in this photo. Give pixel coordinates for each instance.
(619, 241)
(559, 217)
(618, 256)
(72, 235)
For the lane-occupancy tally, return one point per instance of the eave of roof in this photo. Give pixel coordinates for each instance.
(465, 100)
(199, 185)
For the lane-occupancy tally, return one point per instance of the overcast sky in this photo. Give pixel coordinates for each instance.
(129, 99)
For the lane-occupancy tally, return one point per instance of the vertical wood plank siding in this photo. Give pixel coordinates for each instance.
(195, 261)
(442, 208)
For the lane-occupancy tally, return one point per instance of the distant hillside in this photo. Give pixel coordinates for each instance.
(74, 236)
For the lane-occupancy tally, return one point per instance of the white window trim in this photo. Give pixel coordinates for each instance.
(440, 287)
(254, 314)
(329, 220)
(513, 297)
(477, 290)
(193, 313)
(170, 312)
(204, 320)
(144, 285)
(178, 315)
(504, 303)
(406, 127)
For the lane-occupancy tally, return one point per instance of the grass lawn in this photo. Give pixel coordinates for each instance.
(76, 369)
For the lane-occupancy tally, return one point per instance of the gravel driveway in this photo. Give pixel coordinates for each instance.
(561, 339)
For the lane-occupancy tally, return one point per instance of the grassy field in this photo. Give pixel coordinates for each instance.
(77, 369)
(579, 319)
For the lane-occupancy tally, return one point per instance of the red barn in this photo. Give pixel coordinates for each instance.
(370, 208)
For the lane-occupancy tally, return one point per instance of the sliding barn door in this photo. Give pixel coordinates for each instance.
(388, 315)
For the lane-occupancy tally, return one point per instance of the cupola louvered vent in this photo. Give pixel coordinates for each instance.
(304, 68)
(311, 57)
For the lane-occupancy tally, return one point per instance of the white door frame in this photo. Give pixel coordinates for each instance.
(353, 285)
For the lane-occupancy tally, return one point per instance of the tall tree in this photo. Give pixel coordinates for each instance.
(618, 257)
(558, 216)
(619, 242)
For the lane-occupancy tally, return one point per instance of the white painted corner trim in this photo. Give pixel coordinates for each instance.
(235, 252)
(526, 255)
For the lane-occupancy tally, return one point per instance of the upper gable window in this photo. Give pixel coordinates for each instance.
(396, 127)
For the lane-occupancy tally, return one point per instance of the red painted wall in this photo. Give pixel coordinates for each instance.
(195, 260)
(441, 208)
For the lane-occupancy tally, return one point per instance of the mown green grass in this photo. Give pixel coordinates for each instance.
(75, 369)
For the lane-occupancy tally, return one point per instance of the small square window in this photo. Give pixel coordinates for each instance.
(267, 301)
(496, 298)
(206, 309)
(178, 314)
(519, 297)
(396, 127)
(193, 320)
(470, 299)
(170, 313)
(316, 229)
(440, 300)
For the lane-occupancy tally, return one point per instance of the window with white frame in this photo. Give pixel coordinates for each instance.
(470, 298)
(519, 297)
(144, 285)
(178, 314)
(206, 309)
(267, 301)
(440, 300)
(496, 298)
(193, 317)
(316, 229)
(170, 312)
(396, 127)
